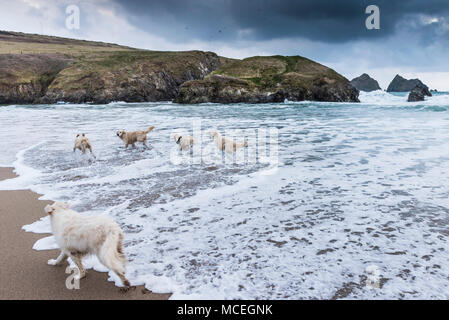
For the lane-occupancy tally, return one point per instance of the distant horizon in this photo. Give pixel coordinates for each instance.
(413, 39)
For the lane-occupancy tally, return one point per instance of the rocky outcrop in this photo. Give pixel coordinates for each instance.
(269, 79)
(25, 77)
(399, 84)
(95, 72)
(418, 94)
(365, 83)
(135, 77)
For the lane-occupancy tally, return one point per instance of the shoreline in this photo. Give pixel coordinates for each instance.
(24, 271)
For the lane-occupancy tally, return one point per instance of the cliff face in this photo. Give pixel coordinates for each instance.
(269, 79)
(365, 83)
(86, 71)
(26, 77)
(399, 84)
(135, 76)
(44, 69)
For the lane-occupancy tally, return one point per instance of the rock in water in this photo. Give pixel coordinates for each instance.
(269, 79)
(365, 83)
(399, 84)
(418, 93)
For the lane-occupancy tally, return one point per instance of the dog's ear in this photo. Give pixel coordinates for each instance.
(77, 135)
(49, 209)
(84, 134)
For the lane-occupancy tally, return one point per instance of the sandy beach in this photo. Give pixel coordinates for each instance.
(24, 271)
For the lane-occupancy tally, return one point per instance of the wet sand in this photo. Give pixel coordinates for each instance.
(24, 273)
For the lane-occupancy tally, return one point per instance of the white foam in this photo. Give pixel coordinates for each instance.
(26, 175)
(383, 98)
(47, 243)
(42, 225)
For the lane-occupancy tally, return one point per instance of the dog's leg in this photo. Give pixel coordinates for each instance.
(91, 152)
(125, 281)
(76, 257)
(59, 260)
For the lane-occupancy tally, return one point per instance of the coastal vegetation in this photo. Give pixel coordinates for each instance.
(45, 69)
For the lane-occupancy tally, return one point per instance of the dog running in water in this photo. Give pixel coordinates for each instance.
(82, 143)
(184, 142)
(226, 144)
(78, 236)
(130, 138)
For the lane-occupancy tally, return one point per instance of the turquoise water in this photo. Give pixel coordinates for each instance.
(346, 201)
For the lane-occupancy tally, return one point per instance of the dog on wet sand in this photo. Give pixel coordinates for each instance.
(130, 138)
(78, 236)
(82, 143)
(226, 144)
(184, 142)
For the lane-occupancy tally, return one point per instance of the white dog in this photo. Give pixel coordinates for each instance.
(184, 142)
(82, 143)
(226, 144)
(78, 236)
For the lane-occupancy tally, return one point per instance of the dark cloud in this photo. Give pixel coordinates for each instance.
(317, 20)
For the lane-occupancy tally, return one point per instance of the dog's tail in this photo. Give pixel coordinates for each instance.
(112, 256)
(149, 129)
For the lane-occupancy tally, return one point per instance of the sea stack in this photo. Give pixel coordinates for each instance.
(365, 83)
(400, 84)
(418, 94)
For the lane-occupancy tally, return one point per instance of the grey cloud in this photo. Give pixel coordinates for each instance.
(318, 20)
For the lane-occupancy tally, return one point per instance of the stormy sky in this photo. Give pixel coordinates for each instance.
(413, 39)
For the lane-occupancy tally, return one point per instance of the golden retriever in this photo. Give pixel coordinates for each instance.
(184, 142)
(78, 236)
(82, 143)
(130, 138)
(226, 144)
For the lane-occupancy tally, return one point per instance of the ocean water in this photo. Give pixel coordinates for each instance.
(353, 201)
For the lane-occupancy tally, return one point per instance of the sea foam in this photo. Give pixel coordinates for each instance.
(357, 188)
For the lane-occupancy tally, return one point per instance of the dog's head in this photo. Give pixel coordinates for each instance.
(80, 136)
(176, 136)
(121, 133)
(51, 208)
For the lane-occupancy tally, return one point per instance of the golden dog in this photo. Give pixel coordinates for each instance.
(226, 144)
(130, 138)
